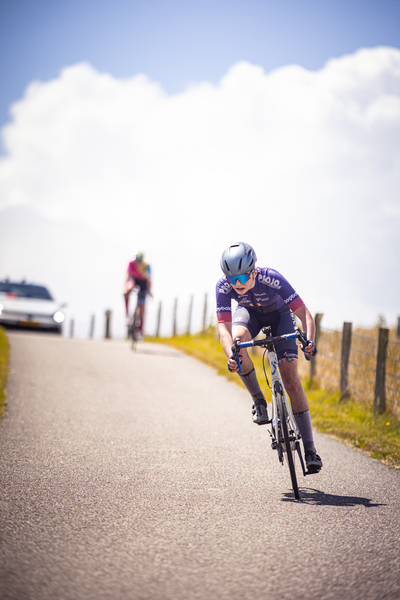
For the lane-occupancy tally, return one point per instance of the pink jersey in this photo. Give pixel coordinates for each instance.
(138, 270)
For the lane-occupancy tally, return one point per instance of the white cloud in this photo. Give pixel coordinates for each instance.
(303, 165)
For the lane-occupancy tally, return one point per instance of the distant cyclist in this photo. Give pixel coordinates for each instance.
(138, 274)
(265, 298)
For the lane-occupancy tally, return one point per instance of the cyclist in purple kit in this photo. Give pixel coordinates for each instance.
(265, 298)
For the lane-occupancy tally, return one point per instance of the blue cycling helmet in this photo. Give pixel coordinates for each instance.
(238, 259)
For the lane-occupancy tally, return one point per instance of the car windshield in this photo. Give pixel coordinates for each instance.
(24, 290)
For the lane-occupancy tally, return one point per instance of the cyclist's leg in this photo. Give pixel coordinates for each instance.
(301, 411)
(287, 352)
(142, 301)
(288, 366)
(241, 332)
(142, 283)
(130, 284)
(245, 327)
(292, 382)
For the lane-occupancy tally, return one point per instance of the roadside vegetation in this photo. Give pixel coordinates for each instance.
(4, 366)
(351, 422)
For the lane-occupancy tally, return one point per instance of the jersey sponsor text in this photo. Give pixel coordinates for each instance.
(270, 281)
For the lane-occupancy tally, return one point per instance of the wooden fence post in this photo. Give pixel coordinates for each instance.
(107, 334)
(91, 330)
(344, 361)
(380, 398)
(190, 315)
(205, 313)
(158, 320)
(398, 327)
(174, 328)
(313, 365)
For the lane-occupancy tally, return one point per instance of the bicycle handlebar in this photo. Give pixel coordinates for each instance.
(270, 341)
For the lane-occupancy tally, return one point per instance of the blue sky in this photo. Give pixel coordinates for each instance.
(220, 121)
(177, 42)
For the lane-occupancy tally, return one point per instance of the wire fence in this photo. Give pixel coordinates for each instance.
(364, 366)
(393, 377)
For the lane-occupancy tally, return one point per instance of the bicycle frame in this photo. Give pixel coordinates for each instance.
(276, 376)
(135, 321)
(268, 342)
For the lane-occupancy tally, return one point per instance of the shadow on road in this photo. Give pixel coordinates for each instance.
(318, 498)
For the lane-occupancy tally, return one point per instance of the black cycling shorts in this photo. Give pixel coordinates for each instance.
(281, 321)
(142, 284)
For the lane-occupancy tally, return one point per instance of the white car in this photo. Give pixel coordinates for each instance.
(30, 306)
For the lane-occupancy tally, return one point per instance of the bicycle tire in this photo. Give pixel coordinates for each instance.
(135, 328)
(280, 402)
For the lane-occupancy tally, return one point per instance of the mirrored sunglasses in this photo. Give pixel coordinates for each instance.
(242, 278)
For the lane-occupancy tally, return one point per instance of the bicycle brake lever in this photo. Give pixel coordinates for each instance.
(304, 341)
(235, 355)
(304, 349)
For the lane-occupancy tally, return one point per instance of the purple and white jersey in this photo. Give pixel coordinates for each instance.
(271, 292)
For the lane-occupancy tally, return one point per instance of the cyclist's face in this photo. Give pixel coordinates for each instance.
(243, 288)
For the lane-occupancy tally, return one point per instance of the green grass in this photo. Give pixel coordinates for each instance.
(4, 366)
(355, 424)
(351, 422)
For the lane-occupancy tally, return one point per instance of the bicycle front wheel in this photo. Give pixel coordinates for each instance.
(135, 328)
(281, 406)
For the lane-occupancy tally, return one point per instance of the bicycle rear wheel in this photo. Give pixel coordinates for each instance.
(280, 402)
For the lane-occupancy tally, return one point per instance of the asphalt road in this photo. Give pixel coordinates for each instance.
(141, 476)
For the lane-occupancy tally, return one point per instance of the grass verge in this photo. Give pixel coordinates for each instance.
(351, 422)
(4, 367)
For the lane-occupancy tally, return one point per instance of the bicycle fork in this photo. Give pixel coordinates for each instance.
(277, 437)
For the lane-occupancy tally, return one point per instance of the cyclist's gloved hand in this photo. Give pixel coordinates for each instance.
(237, 364)
(313, 350)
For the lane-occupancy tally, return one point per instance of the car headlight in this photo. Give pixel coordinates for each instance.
(59, 316)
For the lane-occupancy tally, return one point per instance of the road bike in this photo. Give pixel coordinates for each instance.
(284, 431)
(135, 322)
